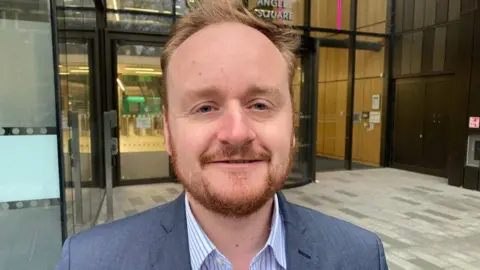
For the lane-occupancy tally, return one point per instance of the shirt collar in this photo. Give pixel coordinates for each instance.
(201, 247)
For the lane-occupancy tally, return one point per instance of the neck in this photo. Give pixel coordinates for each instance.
(239, 239)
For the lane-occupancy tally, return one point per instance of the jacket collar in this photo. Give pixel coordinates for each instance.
(171, 251)
(299, 247)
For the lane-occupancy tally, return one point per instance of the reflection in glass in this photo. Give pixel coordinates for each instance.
(139, 83)
(75, 3)
(154, 6)
(72, 19)
(299, 169)
(154, 23)
(285, 12)
(84, 196)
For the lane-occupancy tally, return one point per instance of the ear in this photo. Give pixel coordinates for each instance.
(294, 141)
(166, 131)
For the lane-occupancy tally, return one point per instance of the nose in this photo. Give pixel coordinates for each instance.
(235, 127)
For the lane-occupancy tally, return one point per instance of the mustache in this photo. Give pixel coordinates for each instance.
(226, 152)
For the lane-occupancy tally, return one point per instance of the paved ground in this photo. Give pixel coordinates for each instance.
(423, 222)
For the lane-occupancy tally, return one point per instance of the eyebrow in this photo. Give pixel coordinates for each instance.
(212, 92)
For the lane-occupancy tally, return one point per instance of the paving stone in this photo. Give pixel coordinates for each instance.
(439, 214)
(422, 217)
(128, 213)
(329, 199)
(425, 264)
(136, 201)
(353, 213)
(428, 189)
(346, 193)
(406, 201)
(158, 199)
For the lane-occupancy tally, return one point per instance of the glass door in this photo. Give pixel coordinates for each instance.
(304, 96)
(138, 81)
(332, 105)
(83, 187)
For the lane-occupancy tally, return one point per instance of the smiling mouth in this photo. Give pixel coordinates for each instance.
(237, 161)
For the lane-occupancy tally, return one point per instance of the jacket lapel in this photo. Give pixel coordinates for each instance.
(300, 252)
(172, 251)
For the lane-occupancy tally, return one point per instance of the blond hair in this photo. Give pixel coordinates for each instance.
(219, 11)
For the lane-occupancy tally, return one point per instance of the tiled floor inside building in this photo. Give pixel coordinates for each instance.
(423, 222)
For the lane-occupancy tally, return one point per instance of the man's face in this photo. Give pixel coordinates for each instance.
(229, 125)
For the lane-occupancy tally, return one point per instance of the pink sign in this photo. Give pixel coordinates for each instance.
(474, 122)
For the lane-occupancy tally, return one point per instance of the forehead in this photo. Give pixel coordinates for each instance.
(227, 55)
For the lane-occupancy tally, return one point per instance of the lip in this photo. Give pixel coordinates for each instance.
(227, 164)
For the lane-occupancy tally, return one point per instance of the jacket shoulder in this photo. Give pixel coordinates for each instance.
(125, 242)
(341, 243)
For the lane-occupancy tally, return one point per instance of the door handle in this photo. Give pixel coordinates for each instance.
(421, 136)
(115, 146)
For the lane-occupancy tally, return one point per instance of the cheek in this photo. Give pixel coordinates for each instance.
(276, 136)
(189, 142)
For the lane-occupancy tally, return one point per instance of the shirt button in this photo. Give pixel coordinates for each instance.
(219, 261)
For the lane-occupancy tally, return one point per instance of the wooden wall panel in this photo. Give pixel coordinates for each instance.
(366, 141)
(372, 138)
(362, 13)
(416, 52)
(430, 11)
(325, 14)
(439, 45)
(427, 50)
(330, 65)
(369, 63)
(375, 28)
(321, 118)
(357, 128)
(330, 119)
(371, 12)
(360, 62)
(341, 107)
(342, 61)
(441, 15)
(332, 101)
(322, 69)
(408, 12)
(451, 51)
(419, 14)
(345, 20)
(399, 15)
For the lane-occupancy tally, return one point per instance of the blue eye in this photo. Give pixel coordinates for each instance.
(205, 109)
(259, 106)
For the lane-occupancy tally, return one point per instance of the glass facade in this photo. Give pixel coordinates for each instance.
(109, 61)
(139, 82)
(30, 197)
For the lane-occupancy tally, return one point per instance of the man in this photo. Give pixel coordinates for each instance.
(228, 120)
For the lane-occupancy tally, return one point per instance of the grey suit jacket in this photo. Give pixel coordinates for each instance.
(157, 239)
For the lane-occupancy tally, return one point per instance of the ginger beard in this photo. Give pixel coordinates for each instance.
(238, 199)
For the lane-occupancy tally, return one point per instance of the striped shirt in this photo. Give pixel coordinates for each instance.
(204, 255)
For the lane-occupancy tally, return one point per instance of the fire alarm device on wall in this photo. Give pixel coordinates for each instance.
(376, 102)
(474, 122)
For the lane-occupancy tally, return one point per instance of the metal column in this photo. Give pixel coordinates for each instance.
(111, 149)
(74, 150)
